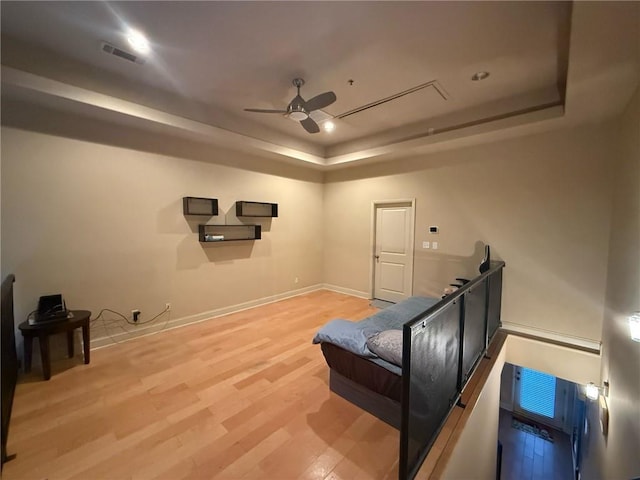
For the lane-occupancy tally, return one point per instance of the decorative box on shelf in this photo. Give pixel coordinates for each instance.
(200, 206)
(256, 209)
(226, 233)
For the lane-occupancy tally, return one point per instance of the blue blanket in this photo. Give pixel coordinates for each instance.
(352, 336)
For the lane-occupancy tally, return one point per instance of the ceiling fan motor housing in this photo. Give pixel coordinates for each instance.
(296, 109)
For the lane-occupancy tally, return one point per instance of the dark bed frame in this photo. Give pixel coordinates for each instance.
(441, 348)
(9, 361)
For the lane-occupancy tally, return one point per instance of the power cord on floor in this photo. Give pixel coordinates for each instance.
(118, 323)
(126, 319)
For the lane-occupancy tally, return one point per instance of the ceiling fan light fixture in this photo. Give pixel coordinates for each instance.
(298, 115)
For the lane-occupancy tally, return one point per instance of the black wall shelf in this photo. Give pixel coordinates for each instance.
(228, 233)
(256, 209)
(200, 206)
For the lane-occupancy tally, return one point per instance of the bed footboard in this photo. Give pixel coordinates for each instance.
(384, 408)
(9, 362)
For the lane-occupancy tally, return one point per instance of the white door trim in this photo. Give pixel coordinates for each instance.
(372, 238)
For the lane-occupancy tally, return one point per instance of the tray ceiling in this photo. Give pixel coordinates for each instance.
(210, 60)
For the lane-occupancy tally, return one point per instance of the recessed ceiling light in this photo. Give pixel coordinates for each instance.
(329, 126)
(479, 76)
(138, 41)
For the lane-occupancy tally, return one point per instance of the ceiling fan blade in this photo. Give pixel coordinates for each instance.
(262, 110)
(310, 125)
(320, 101)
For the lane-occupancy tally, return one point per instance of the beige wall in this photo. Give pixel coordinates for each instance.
(475, 453)
(542, 203)
(617, 455)
(104, 225)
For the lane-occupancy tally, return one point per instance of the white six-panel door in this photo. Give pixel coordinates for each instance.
(393, 252)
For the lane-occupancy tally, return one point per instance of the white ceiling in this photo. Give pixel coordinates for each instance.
(210, 60)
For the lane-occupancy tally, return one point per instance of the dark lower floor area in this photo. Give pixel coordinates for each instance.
(528, 456)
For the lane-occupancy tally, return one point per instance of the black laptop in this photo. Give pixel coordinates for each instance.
(51, 308)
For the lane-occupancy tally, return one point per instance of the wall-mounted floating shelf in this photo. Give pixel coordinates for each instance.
(227, 233)
(256, 209)
(200, 206)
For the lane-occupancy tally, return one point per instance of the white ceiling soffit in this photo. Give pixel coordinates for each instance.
(523, 123)
(87, 99)
(63, 96)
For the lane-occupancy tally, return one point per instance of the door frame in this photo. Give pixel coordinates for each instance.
(372, 238)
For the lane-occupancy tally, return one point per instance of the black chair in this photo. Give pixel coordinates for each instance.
(9, 361)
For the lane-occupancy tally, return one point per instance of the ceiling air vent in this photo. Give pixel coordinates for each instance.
(113, 50)
(431, 85)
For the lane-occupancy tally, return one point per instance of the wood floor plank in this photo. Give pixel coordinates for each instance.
(244, 395)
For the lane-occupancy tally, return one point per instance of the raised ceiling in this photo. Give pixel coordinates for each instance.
(210, 60)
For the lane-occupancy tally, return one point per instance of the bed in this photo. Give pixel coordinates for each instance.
(408, 364)
(366, 372)
(9, 362)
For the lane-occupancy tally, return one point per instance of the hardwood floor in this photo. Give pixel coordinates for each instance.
(237, 397)
(528, 457)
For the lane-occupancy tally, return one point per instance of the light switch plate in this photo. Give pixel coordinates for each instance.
(425, 244)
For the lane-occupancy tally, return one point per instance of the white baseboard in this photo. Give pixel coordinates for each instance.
(554, 336)
(347, 291)
(200, 317)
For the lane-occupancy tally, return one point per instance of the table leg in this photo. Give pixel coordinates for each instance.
(86, 343)
(70, 346)
(28, 352)
(46, 357)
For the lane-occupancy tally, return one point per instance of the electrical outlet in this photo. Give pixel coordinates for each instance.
(135, 314)
(295, 280)
(167, 306)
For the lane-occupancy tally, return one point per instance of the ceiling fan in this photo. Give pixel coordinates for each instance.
(299, 108)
